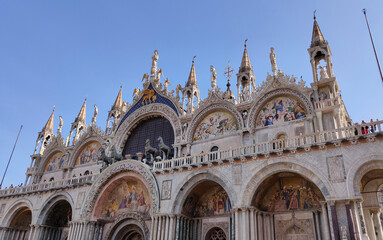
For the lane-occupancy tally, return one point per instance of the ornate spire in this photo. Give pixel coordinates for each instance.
(82, 114)
(317, 37)
(192, 80)
(118, 103)
(228, 95)
(49, 125)
(245, 64)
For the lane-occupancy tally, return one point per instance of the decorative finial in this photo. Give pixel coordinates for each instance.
(245, 42)
(315, 18)
(121, 86)
(193, 59)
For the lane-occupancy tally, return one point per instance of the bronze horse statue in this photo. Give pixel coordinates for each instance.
(153, 152)
(165, 150)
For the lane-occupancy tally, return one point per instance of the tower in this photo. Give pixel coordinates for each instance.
(191, 90)
(45, 135)
(245, 78)
(79, 125)
(115, 113)
(329, 108)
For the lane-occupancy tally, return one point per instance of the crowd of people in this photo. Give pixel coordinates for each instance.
(366, 129)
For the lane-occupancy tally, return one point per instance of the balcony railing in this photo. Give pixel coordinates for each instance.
(275, 146)
(327, 103)
(45, 186)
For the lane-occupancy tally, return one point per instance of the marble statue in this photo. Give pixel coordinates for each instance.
(166, 83)
(146, 77)
(136, 92)
(273, 61)
(59, 129)
(158, 77)
(213, 78)
(154, 63)
(94, 119)
(323, 73)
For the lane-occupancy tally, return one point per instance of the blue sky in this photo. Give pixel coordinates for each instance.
(59, 52)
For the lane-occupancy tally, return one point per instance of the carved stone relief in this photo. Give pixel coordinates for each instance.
(336, 169)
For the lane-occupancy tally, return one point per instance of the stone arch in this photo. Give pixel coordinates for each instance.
(80, 146)
(279, 92)
(193, 179)
(50, 202)
(14, 209)
(123, 167)
(360, 167)
(154, 109)
(215, 228)
(124, 220)
(274, 166)
(200, 115)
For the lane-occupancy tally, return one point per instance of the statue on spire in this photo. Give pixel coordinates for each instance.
(273, 61)
(154, 64)
(94, 119)
(59, 129)
(213, 78)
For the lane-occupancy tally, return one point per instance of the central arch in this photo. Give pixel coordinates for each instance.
(128, 227)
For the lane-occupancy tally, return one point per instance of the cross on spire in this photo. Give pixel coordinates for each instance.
(229, 70)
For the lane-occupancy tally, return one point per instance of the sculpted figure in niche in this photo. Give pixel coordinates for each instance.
(273, 61)
(213, 78)
(323, 73)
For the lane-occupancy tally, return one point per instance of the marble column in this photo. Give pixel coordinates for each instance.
(236, 213)
(317, 227)
(334, 220)
(154, 233)
(244, 224)
(378, 225)
(260, 226)
(350, 221)
(362, 222)
(252, 230)
(171, 228)
(166, 232)
(272, 232)
(369, 224)
(177, 228)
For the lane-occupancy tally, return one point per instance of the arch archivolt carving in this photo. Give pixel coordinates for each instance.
(214, 107)
(360, 167)
(50, 202)
(154, 109)
(124, 219)
(273, 166)
(14, 209)
(192, 180)
(254, 111)
(107, 177)
(80, 146)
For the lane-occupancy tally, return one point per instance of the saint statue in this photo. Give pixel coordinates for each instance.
(154, 63)
(273, 61)
(95, 115)
(213, 78)
(323, 73)
(59, 130)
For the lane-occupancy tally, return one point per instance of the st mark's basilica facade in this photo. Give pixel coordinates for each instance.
(277, 160)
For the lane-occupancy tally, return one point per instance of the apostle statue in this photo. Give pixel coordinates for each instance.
(273, 61)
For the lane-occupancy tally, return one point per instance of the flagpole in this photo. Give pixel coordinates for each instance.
(373, 45)
(5, 172)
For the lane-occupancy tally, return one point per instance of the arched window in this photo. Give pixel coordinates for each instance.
(216, 234)
(86, 172)
(52, 179)
(214, 149)
(149, 129)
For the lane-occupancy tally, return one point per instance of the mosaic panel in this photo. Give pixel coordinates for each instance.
(215, 124)
(89, 153)
(279, 110)
(130, 196)
(56, 162)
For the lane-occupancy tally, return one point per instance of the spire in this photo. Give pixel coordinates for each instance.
(118, 103)
(192, 80)
(82, 114)
(317, 38)
(245, 64)
(228, 95)
(49, 125)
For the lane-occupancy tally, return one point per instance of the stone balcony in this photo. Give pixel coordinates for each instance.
(336, 136)
(48, 186)
(327, 103)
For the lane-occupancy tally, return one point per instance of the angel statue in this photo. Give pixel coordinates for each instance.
(94, 119)
(136, 92)
(59, 129)
(178, 89)
(213, 78)
(166, 85)
(146, 77)
(158, 77)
